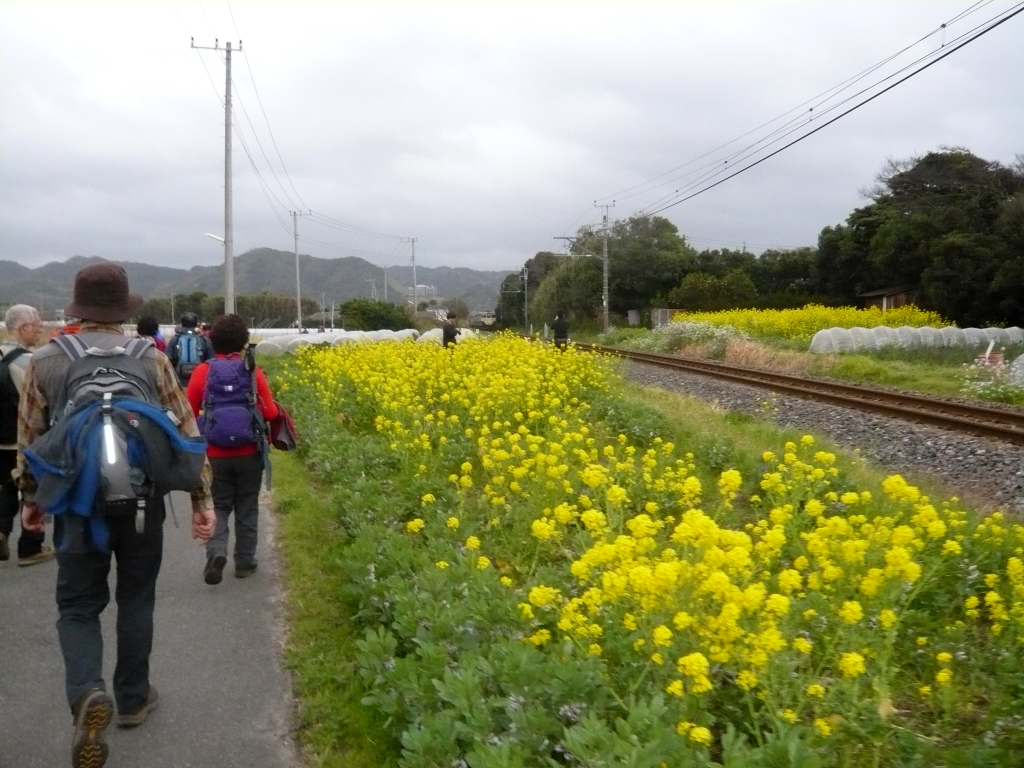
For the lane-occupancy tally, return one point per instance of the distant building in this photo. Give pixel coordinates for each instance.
(891, 298)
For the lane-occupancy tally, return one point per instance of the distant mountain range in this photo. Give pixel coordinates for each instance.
(262, 269)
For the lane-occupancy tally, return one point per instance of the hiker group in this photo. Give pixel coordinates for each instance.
(96, 429)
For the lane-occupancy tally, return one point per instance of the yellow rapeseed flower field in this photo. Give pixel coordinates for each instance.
(802, 324)
(790, 600)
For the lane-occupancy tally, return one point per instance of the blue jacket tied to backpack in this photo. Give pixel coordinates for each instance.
(66, 462)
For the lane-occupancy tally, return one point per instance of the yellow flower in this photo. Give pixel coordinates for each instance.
(675, 688)
(951, 547)
(542, 596)
(593, 650)
(442, 564)
(944, 657)
(414, 526)
(662, 635)
(700, 735)
(851, 664)
(816, 689)
(428, 498)
(887, 618)
(629, 621)
(483, 562)
(506, 581)
(683, 727)
(472, 543)
(802, 644)
(788, 715)
(617, 495)
(851, 612)
(925, 691)
(453, 523)
(823, 726)
(539, 637)
(746, 680)
(943, 677)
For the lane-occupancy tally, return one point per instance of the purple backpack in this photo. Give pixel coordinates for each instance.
(230, 417)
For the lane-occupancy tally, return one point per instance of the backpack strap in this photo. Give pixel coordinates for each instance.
(73, 346)
(13, 355)
(137, 347)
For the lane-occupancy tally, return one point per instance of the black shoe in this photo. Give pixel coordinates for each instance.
(137, 717)
(5, 548)
(214, 570)
(245, 571)
(93, 713)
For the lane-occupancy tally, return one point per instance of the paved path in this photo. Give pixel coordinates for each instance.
(225, 701)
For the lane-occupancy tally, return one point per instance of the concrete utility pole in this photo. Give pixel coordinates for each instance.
(298, 284)
(229, 238)
(385, 283)
(413, 241)
(604, 258)
(526, 298)
(172, 309)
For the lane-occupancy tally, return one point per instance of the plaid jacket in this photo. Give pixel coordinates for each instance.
(45, 374)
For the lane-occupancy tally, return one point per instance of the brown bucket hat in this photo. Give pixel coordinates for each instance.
(102, 295)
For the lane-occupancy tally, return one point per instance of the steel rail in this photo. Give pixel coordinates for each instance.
(960, 417)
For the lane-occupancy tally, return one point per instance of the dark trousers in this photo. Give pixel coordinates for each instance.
(30, 542)
(83, 592)
(236, 488)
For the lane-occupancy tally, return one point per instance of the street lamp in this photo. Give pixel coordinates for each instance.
(229, 277)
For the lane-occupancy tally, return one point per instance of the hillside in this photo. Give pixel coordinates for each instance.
(258, 270)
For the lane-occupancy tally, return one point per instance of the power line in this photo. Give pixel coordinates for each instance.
(804, 117)
(722, 166)
(984, 31)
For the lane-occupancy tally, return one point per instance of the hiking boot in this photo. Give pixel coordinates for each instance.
(136, 717)
(245, 571)
(93, 713)
(44, 554)
(5, 548)
(214, 570)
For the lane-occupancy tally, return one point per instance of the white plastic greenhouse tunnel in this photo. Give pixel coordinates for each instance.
(276, 342)
(833, 340)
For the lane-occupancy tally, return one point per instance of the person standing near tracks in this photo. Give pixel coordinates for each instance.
(23, 332)
(449, 331)
(189, 347)
(91, 525)
(560, 330)
(235, 400)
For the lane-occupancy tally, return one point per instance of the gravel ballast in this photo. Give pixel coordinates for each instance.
(987, 472)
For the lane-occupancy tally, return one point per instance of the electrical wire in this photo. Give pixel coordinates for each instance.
(837, 88)
(985, 30)
(722, 166)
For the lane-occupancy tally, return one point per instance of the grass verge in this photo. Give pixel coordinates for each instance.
(335, 729)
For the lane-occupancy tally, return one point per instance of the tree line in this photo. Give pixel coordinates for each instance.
(948, 224)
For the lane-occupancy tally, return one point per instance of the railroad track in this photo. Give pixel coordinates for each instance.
(959, 417)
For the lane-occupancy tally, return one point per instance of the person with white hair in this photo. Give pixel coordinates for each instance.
(23, 331)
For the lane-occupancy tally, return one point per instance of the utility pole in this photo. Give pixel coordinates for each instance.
(413, 241)
(526, 299)
(172, 309)
(604, 258)
(298, 284)
(229, 238)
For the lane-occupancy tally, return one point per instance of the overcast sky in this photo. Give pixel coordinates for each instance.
(482, 129)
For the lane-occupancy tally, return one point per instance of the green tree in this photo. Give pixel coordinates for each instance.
(700, 291)
(647, 258)
(369, 315)
(573, 287)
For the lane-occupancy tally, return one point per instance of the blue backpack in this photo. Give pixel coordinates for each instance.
(190, 352)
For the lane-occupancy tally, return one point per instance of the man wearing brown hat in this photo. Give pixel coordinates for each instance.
(102, 301)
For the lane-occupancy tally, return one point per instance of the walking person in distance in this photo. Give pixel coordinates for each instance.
(86, 397)
(24, 331)
(560, 330)
(235, 400)
(449, 331)
(189, 347)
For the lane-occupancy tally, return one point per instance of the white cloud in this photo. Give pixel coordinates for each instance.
(482, 129)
